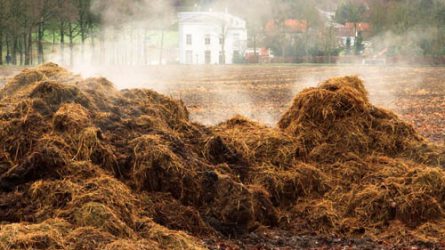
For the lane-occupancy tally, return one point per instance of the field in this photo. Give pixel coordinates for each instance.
(216, 93)
(84, 165)
(264, 93)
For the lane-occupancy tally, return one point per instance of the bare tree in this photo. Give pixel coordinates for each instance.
(4, 15)
(85, 20)
(41, 12)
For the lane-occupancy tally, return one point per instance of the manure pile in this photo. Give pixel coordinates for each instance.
(85, 166)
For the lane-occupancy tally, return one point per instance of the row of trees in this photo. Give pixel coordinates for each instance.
(26, 24)
(29, 29)
(32, 29)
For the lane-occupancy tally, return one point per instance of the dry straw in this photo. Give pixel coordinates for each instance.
(86, 166)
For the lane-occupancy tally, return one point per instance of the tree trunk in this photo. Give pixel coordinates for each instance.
(8, 51)
(82, 46)
(89, 30)
(1, 47)
(438, 42)
(330, 45)
(22, 48)
(62, 43)
(83, 26)
(93, 58)
(83, 37)
(25, 42)
(40, 34)
(71, 37)
(31, 59)
(14, 51)
(53, 46)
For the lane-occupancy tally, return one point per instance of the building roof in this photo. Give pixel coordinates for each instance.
(348, 29)
(360, 26)
(290, 26)
(211, 17)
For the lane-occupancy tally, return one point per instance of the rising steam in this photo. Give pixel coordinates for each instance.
(130, 48)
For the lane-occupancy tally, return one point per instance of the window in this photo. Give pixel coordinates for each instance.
(237, 57)
(188, 57)
(189, 39)
(208, 56)
(207, 39)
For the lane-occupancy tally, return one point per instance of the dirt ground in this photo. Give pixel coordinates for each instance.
(264, 93)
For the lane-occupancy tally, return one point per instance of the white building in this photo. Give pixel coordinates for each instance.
(211, 38)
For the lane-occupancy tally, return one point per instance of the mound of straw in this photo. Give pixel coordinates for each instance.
(86, 166)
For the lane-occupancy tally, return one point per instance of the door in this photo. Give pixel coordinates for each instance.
(208, 57)
(189, 57)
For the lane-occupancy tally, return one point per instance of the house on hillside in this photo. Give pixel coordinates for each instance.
(350, 31)
(211, 38)
(294, 26)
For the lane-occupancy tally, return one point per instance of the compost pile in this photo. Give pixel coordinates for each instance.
(86, 166)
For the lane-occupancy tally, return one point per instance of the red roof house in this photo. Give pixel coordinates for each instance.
(289, 25)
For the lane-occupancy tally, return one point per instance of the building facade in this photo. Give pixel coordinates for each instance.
(211, 38)
(350, 31)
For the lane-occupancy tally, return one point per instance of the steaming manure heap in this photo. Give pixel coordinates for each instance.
(86, 166)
